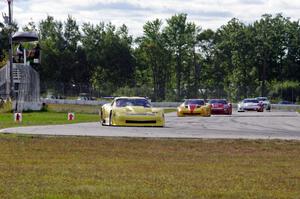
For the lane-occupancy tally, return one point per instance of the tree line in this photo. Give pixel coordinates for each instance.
(173, 59)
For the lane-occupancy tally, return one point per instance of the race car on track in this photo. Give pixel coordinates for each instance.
(250, 104)
(195, 107)
(220, 106)
(265, 102)
(131, 111)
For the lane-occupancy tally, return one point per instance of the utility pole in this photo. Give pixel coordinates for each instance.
(11, 84)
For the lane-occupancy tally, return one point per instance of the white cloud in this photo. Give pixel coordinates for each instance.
(134, 13)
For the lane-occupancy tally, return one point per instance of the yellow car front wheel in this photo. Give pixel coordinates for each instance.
(179, 114)
(102, 121)
(110, 119)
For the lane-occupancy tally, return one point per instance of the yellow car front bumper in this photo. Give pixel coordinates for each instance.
(138, 120)
(197, 112)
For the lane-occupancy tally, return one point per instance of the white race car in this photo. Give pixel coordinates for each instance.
(265, 101)
(250, 104)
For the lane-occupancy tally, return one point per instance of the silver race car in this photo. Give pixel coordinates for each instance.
(250, 104)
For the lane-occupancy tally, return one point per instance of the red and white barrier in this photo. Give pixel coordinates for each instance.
(71, 116)
(18, 117)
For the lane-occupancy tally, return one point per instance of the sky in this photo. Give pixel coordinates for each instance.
(135, 13)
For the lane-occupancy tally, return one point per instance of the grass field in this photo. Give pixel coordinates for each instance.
(73, 167)
(44, 118)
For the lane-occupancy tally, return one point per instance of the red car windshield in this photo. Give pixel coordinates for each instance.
(217, 101)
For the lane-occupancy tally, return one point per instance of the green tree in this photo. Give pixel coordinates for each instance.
(270, 47)
(208, 81)
(109, 52)
(290, 70)
(52, 45)
(181, 40)
(4, 41)
(236, 60)
(234, 55)
(153, 53)
(74, 56)
(1, 45)
(30, 27)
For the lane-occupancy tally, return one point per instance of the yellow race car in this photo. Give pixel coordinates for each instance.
(194, 107)
(131, 111)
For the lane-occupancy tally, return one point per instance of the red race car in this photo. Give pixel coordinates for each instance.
(220, 106)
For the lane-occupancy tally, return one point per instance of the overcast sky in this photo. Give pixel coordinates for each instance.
(134, 13)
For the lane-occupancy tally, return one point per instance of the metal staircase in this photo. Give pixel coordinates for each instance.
(17, 75)
(17, 78)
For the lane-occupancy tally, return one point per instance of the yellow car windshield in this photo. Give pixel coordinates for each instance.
(132, 102)
(191, 101)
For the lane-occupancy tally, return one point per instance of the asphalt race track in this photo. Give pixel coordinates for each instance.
(248, 125)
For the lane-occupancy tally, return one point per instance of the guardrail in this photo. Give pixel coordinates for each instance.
(97, 102)
(288, 107)
(79, 102)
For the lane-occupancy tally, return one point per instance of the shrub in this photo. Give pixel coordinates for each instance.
(5, 106)
(287, 90)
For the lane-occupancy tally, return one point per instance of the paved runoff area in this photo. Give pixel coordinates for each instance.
(247, 125)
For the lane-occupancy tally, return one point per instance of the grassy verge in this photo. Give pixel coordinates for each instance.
(44, 118)
(170, 110)
(84, 108)
(92, 109)
(60, 167)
